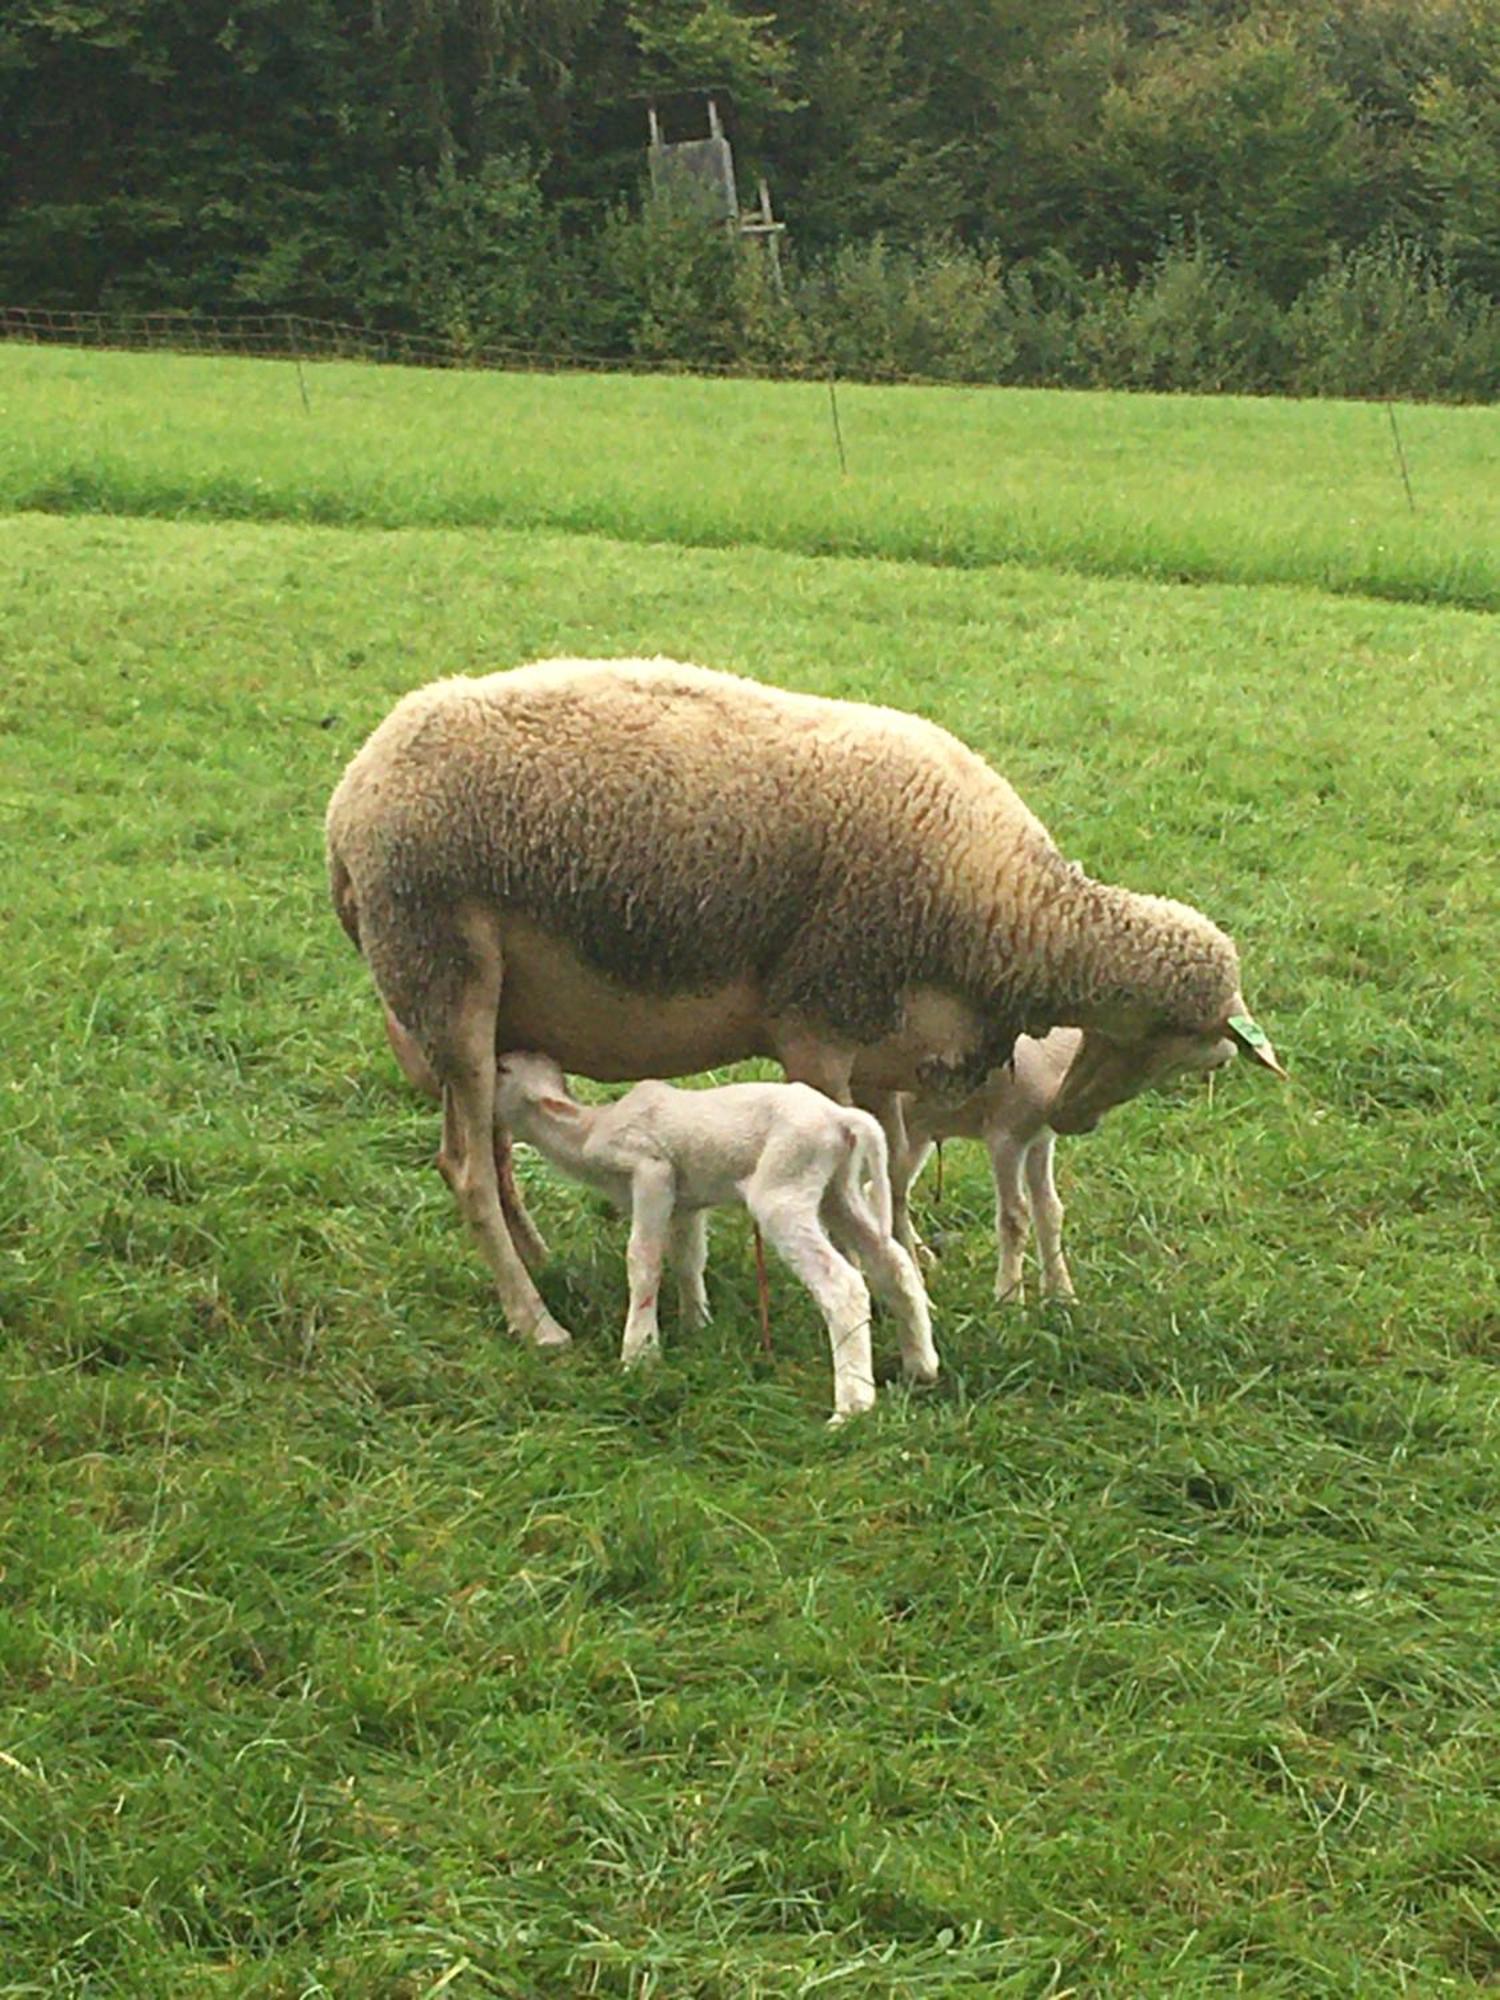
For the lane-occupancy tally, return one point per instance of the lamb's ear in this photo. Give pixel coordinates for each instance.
(558, 1107)
(1253, 1041)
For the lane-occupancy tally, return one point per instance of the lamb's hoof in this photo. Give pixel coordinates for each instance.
(920, 1374)
(641, 1357)
(1010, 1295)
(925, 1255)
(548, 1337)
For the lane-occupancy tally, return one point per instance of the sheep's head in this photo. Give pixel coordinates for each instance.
(1129, 1052)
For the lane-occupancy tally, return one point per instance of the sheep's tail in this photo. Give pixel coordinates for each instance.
(341, 888)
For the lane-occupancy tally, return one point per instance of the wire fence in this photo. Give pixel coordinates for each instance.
(298, 337)
(295, 337)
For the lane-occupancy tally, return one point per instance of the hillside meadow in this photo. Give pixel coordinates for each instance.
(1179, 488)
(347, 1648)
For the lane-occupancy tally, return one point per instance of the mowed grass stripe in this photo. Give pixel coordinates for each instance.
(1196, 489)
(345, 1643)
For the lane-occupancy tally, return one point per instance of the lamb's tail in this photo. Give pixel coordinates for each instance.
(869, 1162)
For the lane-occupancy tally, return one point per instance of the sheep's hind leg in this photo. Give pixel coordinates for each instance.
(466, 1062)
(687, 1251)
(420, 1073)
(893, 1272)
(793, 1229)
(524, 1233)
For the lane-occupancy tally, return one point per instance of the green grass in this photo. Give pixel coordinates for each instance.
(347, 1648)
(1179, 488)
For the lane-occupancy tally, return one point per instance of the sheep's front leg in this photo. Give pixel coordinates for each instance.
(651, 1195)
(687, 1249)
(1047, 1214)
(1012, 1220)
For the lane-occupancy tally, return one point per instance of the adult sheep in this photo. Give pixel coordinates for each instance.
(641, 868)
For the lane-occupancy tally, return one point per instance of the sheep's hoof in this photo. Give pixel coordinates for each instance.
(920, 1374)
(641, 1357)
(842, 1417)
(1010, 1295)
(549, 1337)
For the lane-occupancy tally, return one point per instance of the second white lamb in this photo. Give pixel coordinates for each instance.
(813, 1175)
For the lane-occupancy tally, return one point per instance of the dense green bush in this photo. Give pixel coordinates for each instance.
(1385, 321)
(872, 309)
(1191, 323)
(1381, 321)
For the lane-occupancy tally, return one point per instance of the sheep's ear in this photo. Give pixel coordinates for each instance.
(558, 1107)
(1252, 1040)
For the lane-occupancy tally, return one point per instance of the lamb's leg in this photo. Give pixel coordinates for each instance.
(1012, 1219)
(650, 1221)
(1047, 1214)
(687, 1251)
(524, 1233)
(891, 1270)
(789, 1220)
(464, 1056)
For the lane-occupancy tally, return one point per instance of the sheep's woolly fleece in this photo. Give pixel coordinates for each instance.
(684, 829)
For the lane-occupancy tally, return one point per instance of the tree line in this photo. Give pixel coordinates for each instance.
(1248, 194)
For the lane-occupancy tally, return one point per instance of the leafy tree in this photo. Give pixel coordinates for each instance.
(1458, 160)
(1241, 140)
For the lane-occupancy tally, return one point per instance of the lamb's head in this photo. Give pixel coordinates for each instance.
(526, 1083)
(1174, 1008)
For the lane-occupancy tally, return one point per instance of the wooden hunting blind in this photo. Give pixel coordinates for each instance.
(698, 172)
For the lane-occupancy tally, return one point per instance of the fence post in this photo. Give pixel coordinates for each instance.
(291, 338)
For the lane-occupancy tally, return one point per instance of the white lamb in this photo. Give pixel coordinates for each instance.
(1010, 1114)
(791, 1156)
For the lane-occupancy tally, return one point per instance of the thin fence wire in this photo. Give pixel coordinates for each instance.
(296, 337)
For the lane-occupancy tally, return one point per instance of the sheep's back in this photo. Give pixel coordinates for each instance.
(681, 827)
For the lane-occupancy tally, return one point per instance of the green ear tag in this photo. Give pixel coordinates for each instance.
(1249, 1031)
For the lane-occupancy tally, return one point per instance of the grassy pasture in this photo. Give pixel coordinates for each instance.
(347, 1649)
(1178, 488)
